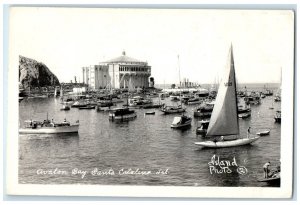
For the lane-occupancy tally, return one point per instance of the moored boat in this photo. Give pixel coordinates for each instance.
(253, 99)
(244, 115)
(175, 97)
(87, 107)
(263, 133)
(172, 109)
(122, 114)
(149, 106)
(202, 127)
(277, 116)
(193, 101)
(204, 110)
(181, 122)
(48, 127)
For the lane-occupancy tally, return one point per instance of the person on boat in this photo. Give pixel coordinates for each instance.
(52, 123)
(267, 169)
(222, 138)
(248, 132)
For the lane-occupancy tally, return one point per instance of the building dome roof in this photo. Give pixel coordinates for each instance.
(125, 59)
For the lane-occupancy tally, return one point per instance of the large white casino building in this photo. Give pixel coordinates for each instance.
(120, 72)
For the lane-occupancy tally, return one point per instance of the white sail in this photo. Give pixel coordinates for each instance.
(224, 119)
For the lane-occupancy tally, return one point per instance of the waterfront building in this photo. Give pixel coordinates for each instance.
(120, 72)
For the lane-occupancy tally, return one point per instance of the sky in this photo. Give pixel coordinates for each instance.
(67, 39)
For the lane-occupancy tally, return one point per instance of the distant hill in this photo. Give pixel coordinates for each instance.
(35, 74)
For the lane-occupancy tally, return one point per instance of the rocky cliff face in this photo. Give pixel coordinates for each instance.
(35, 74)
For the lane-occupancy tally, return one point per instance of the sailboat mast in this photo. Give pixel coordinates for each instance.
(235, 82)
(178, 69)
(179, 81)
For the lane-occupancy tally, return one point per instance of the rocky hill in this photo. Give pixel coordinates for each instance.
(35, 74)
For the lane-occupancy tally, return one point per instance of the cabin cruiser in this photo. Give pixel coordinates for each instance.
(181, 122)
(122, 114)
(202, 127)
(253, 99)
(48, 127)
(138, 102)
(172, 109)
(204, 110)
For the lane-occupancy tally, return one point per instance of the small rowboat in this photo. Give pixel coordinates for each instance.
(263, 133)
(272, 180)
(150, 113)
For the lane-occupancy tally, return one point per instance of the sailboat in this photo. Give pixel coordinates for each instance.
(170, 109)
(224, 121)
(181, 121)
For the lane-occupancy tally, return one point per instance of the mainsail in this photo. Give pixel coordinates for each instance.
(224, 119)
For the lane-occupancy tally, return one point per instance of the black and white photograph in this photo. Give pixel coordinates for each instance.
(150, 102)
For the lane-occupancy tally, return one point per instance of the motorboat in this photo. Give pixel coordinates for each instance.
(204, 110)
(253, 99)
(277, 116)
(244, 115)
(277, 98)
(175, 97)
(138, 102)
(202, 127)
(152, 105)
(48, 127)
(122, 114)
(181, 122)
(87, 107)
(150, 113)
(193, 101)
(172, 109)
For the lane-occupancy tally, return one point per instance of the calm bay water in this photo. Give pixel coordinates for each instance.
(146, 143)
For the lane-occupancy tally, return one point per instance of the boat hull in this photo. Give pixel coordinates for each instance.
(223, 144)
(50, 130)
(173, 111)
(264, 133)
(271, 181)
(278, 120)
(188, 123)
(87, 108)
(201, 131)
(244, 115)
(194, 102)
(202, 114)
(122, 117)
